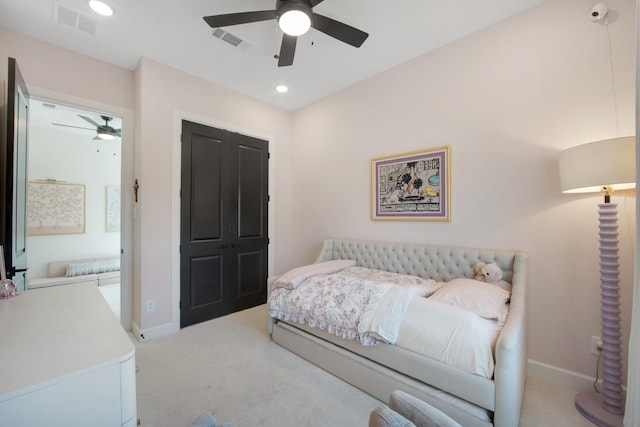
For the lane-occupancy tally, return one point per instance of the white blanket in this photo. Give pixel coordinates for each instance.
(453, 335)
(382, 320)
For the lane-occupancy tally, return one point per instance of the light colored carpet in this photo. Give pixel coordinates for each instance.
(229, 366)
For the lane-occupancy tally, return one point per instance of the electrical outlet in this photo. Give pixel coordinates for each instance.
(596, 345)
(151, 305)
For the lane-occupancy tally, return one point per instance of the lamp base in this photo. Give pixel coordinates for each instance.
(589, 404)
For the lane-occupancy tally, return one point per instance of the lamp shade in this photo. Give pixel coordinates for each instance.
(587, 168)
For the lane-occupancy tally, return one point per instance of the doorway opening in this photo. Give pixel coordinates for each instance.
(73, 198)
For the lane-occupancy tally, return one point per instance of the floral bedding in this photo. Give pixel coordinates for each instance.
(353, 302)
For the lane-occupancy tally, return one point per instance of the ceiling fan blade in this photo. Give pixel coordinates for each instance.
(314, 3)
(226, 20)
(343, 32)
(69, 126)
(90, 120)
(287, 50)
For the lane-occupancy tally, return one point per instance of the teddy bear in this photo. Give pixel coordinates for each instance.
(490, 273)
(477, 271)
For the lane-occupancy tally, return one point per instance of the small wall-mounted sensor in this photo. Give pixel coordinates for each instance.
(599, 11)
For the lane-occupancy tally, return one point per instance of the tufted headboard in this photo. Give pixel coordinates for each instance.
(440, 263)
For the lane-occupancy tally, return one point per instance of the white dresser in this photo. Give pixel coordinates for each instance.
(65, 360)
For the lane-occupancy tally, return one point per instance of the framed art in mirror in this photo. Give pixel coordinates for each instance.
(54, 207)
(112, 213)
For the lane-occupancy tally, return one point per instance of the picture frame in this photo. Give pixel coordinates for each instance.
(112, 208)
(55, 207)
(412, 186)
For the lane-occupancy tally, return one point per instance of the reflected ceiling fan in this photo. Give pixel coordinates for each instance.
(102, 131)
(294, 17)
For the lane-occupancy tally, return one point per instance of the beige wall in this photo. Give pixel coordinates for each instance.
(59, 70)
(506, 100)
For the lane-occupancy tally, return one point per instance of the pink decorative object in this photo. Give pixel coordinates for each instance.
(7, 289)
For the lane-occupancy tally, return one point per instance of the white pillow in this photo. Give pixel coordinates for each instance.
(293, 278)
(484, 299)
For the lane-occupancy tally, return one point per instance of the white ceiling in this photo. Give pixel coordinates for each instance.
(173, 32)
(65, 118)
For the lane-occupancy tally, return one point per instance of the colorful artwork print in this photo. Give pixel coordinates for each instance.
(411, 186)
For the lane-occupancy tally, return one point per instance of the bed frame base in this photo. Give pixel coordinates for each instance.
(372, 378)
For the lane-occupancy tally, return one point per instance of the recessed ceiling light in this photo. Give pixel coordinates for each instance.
(101, 7)
(282, 88)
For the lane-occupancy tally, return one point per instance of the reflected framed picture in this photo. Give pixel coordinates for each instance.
(412, 186)
(112, 213)
(54, 207)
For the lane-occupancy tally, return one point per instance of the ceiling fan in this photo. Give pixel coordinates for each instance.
(295, 17)
(102, 131)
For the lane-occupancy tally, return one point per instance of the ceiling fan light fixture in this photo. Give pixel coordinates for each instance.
(101, 7)
(106, 134)
(294, 18)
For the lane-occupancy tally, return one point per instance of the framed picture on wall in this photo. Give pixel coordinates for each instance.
(54, 207)
(412, 186)
(112, 208)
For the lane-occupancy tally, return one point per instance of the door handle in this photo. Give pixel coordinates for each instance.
(12, 271)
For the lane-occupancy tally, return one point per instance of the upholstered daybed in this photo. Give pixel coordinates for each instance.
(469, 398)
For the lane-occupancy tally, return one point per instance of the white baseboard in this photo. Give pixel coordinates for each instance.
(560, 376)
(151, 333)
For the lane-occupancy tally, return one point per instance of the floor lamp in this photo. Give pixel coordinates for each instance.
(599, 167)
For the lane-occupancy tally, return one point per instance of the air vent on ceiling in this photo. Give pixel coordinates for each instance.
(65, 15)
(228, 37)
(87, 24)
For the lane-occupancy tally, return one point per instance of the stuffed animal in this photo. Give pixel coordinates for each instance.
(477, 271)
(490, 273)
